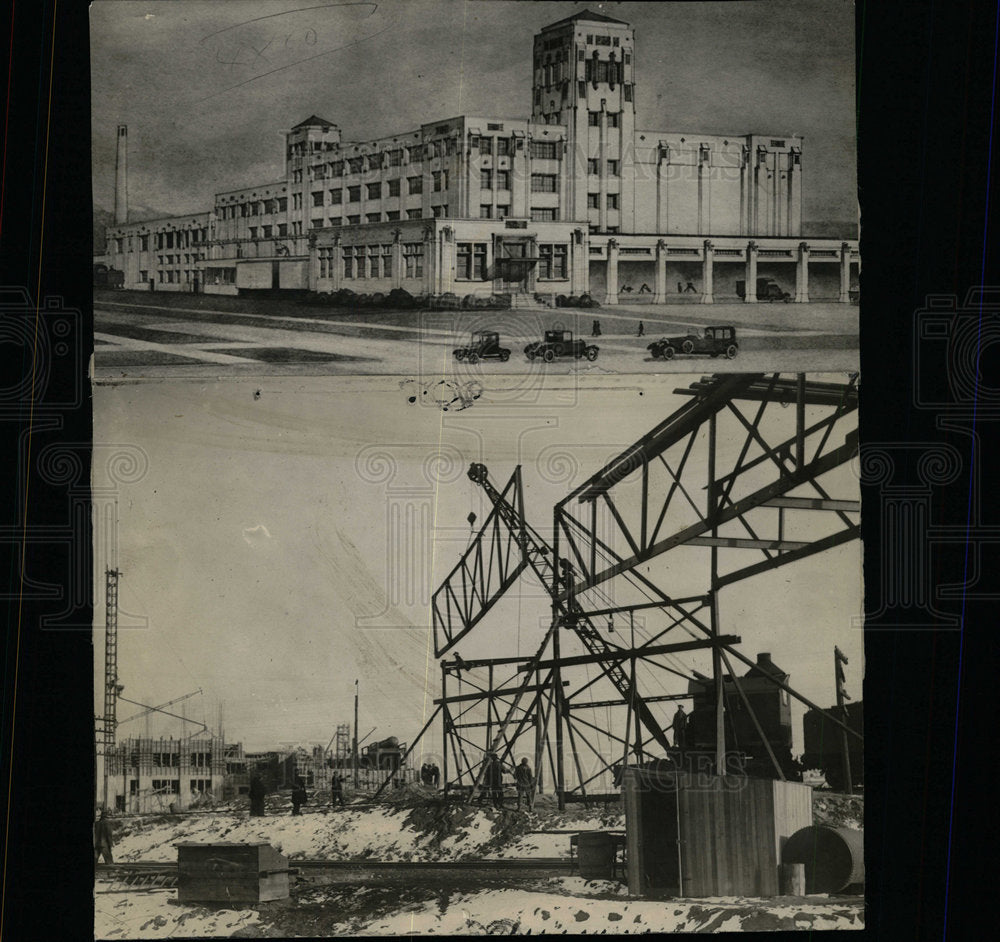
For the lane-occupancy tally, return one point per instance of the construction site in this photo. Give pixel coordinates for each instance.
(634, 757)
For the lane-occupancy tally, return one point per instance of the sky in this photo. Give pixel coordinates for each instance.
(208, 89)
(256, 546)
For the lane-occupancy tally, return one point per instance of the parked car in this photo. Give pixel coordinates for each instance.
(484, 345)
(560, 343)
(767, 290)
(713, 341)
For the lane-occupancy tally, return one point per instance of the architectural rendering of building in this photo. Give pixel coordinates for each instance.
(575, 199)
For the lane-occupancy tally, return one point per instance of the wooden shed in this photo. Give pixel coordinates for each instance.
(694, 835)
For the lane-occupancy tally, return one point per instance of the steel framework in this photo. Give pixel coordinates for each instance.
(734, 472)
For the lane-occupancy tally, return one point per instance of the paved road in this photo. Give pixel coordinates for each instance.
(162, 337)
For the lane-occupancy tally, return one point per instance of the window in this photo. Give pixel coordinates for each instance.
(593, 166)
(414, 214)
(143, 275)
(543, 183)
(355, 164)
(612, 201)
(318, 198)
(348, 256)
(612, 229)
(503, 212)
(353, 220)
(337, 168)
(628, 92)
(336, 197)
(440, 180)
(394, 187)
(296, 201)
(318, 172)
(297, 227)
(354, 194)
(613, 168)
(486, 179)
(373, 261)
(613, 120)
(374, 161)
(282, 229)
(392, 215)
(119, 245)
(471, 261)
(253, 232)
(387, 261)
(543, 150)
(552, 263)
(171, 785)
(373, 217)
(581, 55)
(503, 146)
(486, 145)
(413, 259)
(374, 191)
(503, 179)
(593, 201)
(318, 222)
(266, 231)
(395, 158)
(359, 261)
(590, 39)
(543, 215)
(282, 204)
(438, 211)
(144, 243)
(494, 127)
(594, 118)
(485, 211)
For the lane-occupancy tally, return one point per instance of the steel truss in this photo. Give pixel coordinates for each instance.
(734, 472)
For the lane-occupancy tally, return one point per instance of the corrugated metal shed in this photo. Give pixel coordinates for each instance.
(690, 834)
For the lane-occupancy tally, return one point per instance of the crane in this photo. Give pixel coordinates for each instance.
(159, 708)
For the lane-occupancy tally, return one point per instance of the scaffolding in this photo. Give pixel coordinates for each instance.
(735, 471)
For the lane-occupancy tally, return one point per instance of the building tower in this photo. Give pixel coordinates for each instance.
(121, 176)
(584, 80)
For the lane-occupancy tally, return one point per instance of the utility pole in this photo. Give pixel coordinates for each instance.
(839, 659)
(357, 783)
(110, 669)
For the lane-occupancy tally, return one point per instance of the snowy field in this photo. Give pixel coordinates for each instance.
(432, 832)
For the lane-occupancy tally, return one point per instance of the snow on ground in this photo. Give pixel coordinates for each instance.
(150, 915)
(517, 911)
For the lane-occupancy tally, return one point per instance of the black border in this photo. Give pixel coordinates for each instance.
(927, 81)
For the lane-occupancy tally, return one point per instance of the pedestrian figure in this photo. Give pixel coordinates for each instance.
(337, 790)
(435, 775)
(299, 796)
(627, 289)
(690, 287)
(680, 287)
(596, 329)
(642, 328)
(645, 289)
(256, 795)
(679, 726)
(104, 838)
(493, 779)
(525, 781)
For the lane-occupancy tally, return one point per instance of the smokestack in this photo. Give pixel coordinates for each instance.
(121, 176)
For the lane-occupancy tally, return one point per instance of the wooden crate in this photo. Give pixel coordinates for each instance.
(696, 835)
(230, 872)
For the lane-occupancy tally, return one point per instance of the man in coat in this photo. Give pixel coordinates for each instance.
(337, 790)
(298, 796)
(525, 780)
(104, 838)
(256, 795)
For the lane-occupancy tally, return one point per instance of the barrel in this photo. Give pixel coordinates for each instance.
(596, 855)
(834, 858)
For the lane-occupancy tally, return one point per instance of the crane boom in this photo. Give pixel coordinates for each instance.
(161, 708)
(538, 555)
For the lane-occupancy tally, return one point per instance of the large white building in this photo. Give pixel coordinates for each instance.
(573, 199)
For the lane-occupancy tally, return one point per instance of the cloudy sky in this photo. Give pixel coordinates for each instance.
(208, 89)
(258, 547)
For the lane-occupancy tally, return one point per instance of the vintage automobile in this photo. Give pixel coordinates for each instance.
(767, 290)
(712, 341)
(560, 343)
(484, 345)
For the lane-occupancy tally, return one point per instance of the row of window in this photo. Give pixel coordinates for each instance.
(372, 261)
(594, 200)
(184, 238)
(254, 208)
(173, 785)
(594, 167)
(470, 262)
(177, 259)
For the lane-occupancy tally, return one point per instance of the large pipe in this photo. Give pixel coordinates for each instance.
(121, 176)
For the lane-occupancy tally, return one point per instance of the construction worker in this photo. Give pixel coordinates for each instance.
(642, 328)
(337, 790)
(493, 779)
(679, 727)
(256, 796)
(299, 796)
(104, 838)
(525, 780)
